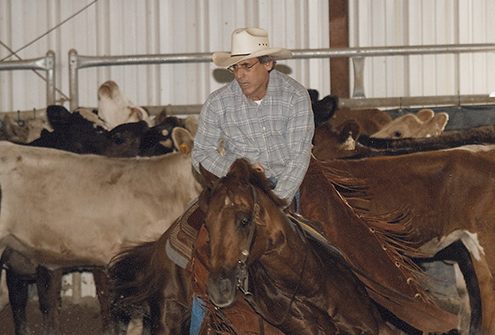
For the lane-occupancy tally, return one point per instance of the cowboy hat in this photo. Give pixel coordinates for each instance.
(249, 43)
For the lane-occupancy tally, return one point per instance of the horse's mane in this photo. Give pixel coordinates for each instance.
(393, 230)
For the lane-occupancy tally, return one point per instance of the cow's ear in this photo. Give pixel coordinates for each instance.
(209, 178)
(425, 115)
(140, 113)
(191, 124)
(58, 116)
(183, 141)
(350, 129)
(441, 120)
(137, 112)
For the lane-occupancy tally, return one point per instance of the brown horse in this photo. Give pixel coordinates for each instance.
(146, 283)
(299, 288)
(450, 196)
(402, 293)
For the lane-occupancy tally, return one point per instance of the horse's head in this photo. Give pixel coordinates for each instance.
(242, 225)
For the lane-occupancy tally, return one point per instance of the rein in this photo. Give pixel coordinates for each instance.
(243, 277)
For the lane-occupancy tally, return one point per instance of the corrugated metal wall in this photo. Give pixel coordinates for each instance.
(425, 22)
(116, 27)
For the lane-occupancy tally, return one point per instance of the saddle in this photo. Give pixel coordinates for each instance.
(184, 232)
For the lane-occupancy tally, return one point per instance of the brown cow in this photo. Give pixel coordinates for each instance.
(348, 141)
(423, 124)
(450, 197)
(370, 120)
(339, 137)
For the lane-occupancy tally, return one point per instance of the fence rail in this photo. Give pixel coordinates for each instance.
(46, 63)
(357, 55)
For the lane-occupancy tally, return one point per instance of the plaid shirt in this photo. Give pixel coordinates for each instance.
(277, 133)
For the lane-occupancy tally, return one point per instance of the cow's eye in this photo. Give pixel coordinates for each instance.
(118, 140)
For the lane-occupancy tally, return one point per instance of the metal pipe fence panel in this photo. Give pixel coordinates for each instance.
(357, 55)
(46, 63)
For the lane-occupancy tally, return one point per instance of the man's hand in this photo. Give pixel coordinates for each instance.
(258, 167)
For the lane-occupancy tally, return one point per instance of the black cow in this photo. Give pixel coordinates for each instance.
(75, 133)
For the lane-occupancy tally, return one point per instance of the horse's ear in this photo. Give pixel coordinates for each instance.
(241, 170)
(208, 177)
(204, 199)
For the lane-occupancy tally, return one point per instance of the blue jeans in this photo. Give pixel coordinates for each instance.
(197, 315)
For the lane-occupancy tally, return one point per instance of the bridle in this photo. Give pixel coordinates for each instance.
(243, 274)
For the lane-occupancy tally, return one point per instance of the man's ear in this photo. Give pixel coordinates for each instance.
(269, 65)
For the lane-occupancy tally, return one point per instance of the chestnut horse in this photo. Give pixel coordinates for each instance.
(450, 196)
(260, 237)
(293, 285)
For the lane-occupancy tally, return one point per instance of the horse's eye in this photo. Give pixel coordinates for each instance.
(243, 219)
(118, 140)
(398, 134)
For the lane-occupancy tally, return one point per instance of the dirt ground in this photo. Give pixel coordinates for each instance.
(76, 319)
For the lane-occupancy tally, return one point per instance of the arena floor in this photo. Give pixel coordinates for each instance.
(76, 319)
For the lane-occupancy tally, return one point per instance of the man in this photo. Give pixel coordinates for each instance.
(262, 115)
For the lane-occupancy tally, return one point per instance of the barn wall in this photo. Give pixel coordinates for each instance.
(115, 27)
(425, 22)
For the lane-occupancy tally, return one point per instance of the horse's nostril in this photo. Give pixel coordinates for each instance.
(224, 285)
(221, 290)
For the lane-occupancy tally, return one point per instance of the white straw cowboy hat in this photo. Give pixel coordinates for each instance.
(249, 43)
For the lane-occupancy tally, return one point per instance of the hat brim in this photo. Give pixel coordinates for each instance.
(225, 59)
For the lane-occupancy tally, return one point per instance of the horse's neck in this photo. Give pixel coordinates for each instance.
(279, 275)
(291, 255)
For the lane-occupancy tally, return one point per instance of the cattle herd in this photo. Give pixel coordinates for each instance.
(81, 187)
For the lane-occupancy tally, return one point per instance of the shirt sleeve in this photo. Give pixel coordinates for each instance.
(300, 129)
(207, 141)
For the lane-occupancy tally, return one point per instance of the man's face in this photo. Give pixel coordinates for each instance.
(253, 77)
